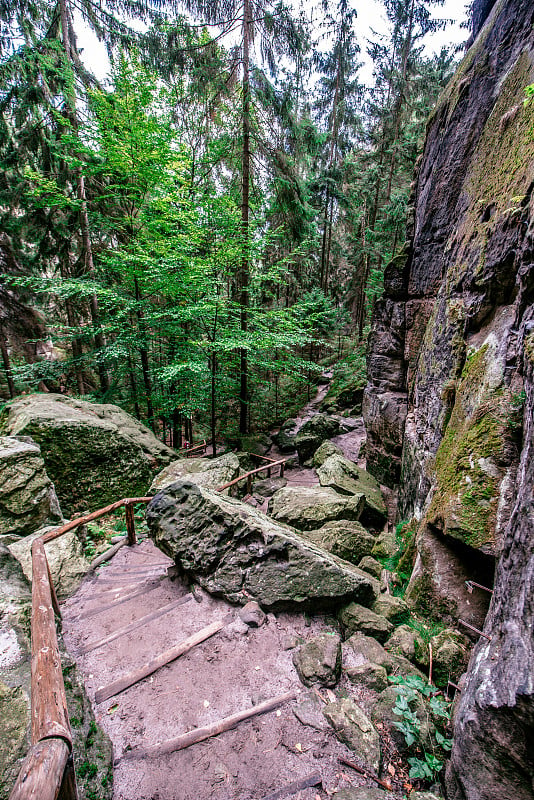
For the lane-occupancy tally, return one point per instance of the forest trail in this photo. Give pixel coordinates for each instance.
(234, 670)
(136, 608)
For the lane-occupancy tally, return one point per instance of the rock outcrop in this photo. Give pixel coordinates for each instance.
(310, 507)
(93, 453)
(236, 551)
(27, 496)
(450, 369)
(209, 473)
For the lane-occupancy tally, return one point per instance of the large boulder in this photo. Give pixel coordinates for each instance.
(236, 551)
(323, 452)
(313, 433)
(285, 438)
(207, 472)
(94, 454)
(345, 477)
(343, 538)
(310, 507)
(27, 495)
(355, 617)
(65, 557)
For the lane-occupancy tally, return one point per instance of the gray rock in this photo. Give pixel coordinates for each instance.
(392, 608)
(372, 566)
(355, 617)
(236, 551)
(94, 454)
(66, 560)
(313, 433)
(354, 728)
(360, 650)
(207, 472)
(406, 642)
(252, 614)
(310, 507)
(372, 676)
(27, 495)
(425, 796)
(268, 486)
(345, 477)
(346, 539)
(14, 739)
(450, 654)
(385, 545)
(362, 793)
(310, 712)
(323, 452)
(318, 661)
(285, 438)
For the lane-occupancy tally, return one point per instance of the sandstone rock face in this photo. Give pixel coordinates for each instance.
(345, 477)
(94, 454)
(207, 472)
(236, 551)
(27, 496)
(310, 507)
(452, 346)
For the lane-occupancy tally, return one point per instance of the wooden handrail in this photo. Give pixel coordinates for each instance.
(47, 769)
(252, 472)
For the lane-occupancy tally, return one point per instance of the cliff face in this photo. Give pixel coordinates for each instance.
(448, 405)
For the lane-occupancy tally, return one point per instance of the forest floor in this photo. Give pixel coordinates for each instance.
(234, 670)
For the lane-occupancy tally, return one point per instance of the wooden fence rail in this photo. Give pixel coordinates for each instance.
(47, 772)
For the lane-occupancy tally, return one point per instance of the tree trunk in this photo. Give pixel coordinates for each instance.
(213, 365)
(143, 352)
(245, 215)
(7, 363)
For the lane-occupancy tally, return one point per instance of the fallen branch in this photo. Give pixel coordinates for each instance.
(107, 554)
(136, 675)
(296, 786)
(365, 772)
(137, 623)
(200, 734)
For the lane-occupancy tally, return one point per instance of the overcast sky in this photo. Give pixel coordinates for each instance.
(371, 16)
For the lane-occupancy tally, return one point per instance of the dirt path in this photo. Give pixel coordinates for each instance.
(237, 668)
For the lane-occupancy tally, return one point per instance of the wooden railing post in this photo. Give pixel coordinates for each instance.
(282, 467)
(130, 523)
(249, 484)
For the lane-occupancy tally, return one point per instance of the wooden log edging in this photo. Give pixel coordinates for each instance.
(200, 734)
(41, 774)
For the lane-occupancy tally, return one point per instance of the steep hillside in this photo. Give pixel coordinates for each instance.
(449, 401)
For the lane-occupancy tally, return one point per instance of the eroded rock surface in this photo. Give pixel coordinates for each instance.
(207, 472)
(236, 551)
(93, 453)
(310, 507)
(27, 496)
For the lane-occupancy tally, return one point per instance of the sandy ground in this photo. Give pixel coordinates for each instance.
(237, 668)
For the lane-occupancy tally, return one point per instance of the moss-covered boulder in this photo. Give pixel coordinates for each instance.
(345, 477)
(370, 675)
(285, 438)
(323, 452)
(207, 472)
(308, 508)
(355, 729)
(355, 617)
(407, 642)
(268, 486)
(318, 661)
(450, 654)
(360, 649)
(312, 435)
(385, 545)
(343, 538)
(27, 495)
(372, 566)
(94, 454)
(392, 608)
(236, 551)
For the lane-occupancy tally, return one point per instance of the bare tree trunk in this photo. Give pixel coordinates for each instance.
(143, 352)
(245, 216)
(7, 363)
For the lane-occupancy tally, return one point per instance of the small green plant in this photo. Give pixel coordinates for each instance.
(87, 769)
(428, 756)
(404, 537)
(95, 535)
